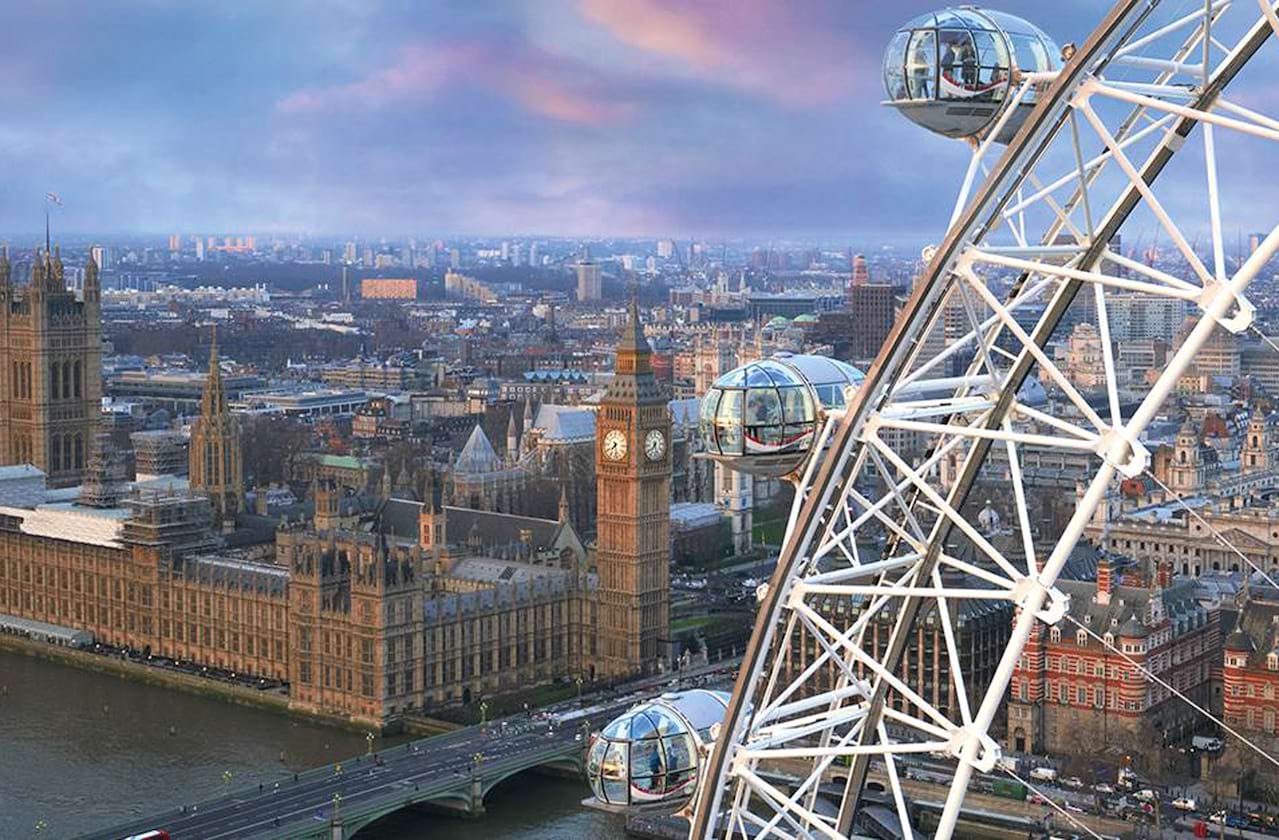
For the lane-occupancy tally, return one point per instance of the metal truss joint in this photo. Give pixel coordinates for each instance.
(984, 749)
(1052, 602)
(1244, 314)
(1120, 448)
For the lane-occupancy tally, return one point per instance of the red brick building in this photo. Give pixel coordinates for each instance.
(1250, 697)
(1250, 672)
(1074, 695)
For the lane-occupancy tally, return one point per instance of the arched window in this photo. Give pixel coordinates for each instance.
(66, 452)
(55, 455)
(78, 391)
(54, 379)
(1182, 455)
(79, 446)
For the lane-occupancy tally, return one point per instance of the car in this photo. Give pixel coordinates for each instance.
(1217, 817)
(1072, 782)
(1182, 803)
(1072, 807)
(1102, 787)
(1145, 795)
(1044, 774)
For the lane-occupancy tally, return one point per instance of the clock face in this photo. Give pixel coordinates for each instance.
(615, 445)
(654, 445)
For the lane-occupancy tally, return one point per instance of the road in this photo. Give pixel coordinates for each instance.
(420, 770)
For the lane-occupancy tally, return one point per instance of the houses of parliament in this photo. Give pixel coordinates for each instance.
(368, 608)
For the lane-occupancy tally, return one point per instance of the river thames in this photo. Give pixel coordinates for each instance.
(81, 750)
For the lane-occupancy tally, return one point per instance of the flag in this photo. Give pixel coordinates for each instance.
(54, 198)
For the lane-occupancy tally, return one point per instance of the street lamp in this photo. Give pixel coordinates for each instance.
(484, 712)
(369, 738)
(578, 680)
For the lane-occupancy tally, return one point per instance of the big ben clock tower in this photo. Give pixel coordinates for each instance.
(633, 475)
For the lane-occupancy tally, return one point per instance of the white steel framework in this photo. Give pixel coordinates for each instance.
(880, 522)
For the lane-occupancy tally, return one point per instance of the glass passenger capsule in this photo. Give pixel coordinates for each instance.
(762, 417)
(951, 71)
(650, 753)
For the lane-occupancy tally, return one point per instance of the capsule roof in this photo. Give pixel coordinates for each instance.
(951, 70)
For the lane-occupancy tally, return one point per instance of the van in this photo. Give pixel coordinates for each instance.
(1044, 774)
(1206, 743)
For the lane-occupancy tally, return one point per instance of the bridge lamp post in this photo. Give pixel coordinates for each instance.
(337, 807)
(578, 680)
(484, 712)
(368, 736)
(226, 779)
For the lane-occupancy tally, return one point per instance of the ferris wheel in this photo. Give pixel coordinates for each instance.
(1134, 129)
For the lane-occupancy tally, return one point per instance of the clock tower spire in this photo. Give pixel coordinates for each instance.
(633, 475)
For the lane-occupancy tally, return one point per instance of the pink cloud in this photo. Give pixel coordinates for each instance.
(534, 80)
(762, 47)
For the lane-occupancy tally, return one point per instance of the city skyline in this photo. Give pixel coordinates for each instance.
(585, 118)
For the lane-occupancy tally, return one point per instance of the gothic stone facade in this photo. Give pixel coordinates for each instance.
(50, 369)
(633, 473)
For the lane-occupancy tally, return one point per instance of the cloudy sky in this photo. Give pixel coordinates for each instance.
(573, 117)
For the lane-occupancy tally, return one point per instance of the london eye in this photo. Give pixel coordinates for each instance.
(1135, 126)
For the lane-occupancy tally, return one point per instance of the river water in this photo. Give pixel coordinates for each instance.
(81, 750)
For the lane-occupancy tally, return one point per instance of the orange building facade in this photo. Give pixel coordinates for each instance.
(388, 288)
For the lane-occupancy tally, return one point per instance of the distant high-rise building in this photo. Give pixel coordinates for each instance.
(175, 243)
(506, 251)
(861, 274)
(590, 285)
(455, 259)
(103, 256)
(348, 253)
(199, 248)
(665, 249)
(1254, 241)
(873, 306)
(532, 255)
(517, 254)
(366, 259)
